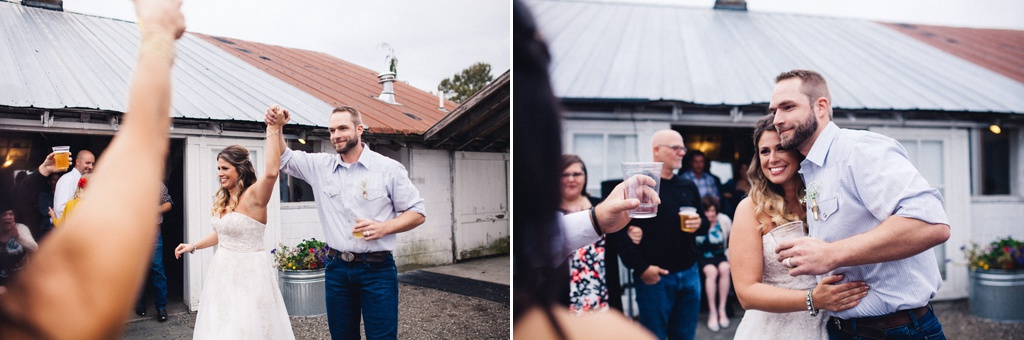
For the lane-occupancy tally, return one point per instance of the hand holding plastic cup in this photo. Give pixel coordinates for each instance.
(686, 214)
(638, 189)
(62, 157)
(789, 231)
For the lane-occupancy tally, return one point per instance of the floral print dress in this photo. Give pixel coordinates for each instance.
(588, 290)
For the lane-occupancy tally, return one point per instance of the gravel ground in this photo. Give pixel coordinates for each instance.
(958, 324)
(422, 314)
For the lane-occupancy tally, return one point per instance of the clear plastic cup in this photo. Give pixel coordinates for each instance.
(788, 231)
(687, 213)
(62, 157)
(634, 189)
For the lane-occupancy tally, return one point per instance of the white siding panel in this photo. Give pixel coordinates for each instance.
(431, 242)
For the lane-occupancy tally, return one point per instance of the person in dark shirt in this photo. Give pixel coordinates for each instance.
(665, 262)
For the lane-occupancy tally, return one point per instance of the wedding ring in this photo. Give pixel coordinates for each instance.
(787, 263)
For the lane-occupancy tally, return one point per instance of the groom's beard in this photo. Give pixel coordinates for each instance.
(348, 145)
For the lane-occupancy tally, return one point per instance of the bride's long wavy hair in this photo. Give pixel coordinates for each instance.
(768, 198)
(226, 199)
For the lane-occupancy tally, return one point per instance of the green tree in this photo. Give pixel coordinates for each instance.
(466, 83)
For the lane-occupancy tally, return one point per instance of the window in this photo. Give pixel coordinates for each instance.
(602, 154)
(294, 189)
(996, 162)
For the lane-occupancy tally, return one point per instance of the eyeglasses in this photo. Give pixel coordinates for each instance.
(676, 148)
(572, 174)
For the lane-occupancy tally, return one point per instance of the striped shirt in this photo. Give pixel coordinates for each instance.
(860, 179)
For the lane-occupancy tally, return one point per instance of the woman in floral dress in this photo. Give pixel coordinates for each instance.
(588, 289)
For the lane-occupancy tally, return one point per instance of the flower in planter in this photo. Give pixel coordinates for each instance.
(1004, 253)
(307, 255)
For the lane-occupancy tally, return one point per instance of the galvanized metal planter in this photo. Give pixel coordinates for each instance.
(303, 291)
(997, 294)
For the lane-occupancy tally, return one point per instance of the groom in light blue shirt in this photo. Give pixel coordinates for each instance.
(870, 213)
(363, 200)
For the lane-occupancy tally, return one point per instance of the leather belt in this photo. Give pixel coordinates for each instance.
(874, 327)
(371, 257)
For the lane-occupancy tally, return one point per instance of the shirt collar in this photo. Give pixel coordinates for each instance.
(366, 158)
(819, 151)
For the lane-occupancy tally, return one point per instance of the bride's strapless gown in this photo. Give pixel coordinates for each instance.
(789, 326)
(241, 299)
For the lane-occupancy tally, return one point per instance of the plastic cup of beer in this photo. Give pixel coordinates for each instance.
(357, 234)
(62, 157)
(788, 231)
(635, 189)
(685, 214)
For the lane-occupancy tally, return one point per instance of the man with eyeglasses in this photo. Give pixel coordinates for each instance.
(665, 261)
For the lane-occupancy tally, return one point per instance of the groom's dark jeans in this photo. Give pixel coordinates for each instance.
(362, 288)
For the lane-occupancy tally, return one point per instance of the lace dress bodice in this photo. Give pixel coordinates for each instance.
(789, 326)
(240, 233)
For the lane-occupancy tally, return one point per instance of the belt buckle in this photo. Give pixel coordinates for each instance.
(839, 323)
(348, 256)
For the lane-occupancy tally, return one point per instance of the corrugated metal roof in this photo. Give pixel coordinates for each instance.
(339, 82)
(998, 50)
(52, 59)
(711, 57)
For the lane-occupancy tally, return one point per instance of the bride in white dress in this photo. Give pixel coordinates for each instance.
(241, 299)
(776, 302)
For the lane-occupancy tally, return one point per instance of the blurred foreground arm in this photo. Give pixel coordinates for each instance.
(83, 281)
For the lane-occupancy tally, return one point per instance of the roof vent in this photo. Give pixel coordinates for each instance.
(387, 95)
(56, 5)
(735, 5)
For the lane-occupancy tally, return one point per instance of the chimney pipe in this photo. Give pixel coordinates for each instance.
(440, 100)
(734, 5)
(56, 5)
(387, 95)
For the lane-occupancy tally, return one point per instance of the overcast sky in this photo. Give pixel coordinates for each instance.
(1003, 14)
(433, 39)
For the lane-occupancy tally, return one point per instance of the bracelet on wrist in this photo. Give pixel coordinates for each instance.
(593, 220)
(810, 303)
(193, 249)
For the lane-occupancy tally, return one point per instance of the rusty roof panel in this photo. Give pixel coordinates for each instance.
(998, 50)
(338, 82)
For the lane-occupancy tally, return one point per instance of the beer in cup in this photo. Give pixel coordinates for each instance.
(688, 213)
(62, 157)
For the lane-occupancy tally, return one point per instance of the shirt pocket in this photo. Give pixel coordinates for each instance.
(828, 207)
(330, 189)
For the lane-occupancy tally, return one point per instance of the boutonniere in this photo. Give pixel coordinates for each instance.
(811, 195)
(363, 182)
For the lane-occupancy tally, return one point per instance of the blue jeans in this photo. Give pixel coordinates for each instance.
(156, 281)
(670, 308)
(927, 327)
(366, 289)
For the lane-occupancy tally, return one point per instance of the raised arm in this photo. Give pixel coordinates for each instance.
(260, 192)
(277, 115)
(87, 275)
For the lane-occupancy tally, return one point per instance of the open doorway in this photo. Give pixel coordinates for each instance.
(31, 148)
